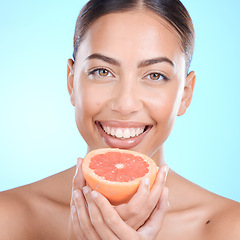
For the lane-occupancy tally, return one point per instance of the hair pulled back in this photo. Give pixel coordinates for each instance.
(172, 11)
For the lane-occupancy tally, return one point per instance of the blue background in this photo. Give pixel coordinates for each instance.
(38, 136)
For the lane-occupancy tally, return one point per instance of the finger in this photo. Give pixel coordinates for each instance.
(76, 225)
(78, 179)
(82, 214)
(77, 182)
(158, 185)
(139, 208)
(71, 230)
(112, 219)
(132, 212)
(153, 225)
(96, 217)
(138, 200)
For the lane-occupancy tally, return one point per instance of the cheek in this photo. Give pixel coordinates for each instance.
(164, 105)
(88, 103)
(89, 99)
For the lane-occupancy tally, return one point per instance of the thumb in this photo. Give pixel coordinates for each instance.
(78, 179)
(154, 224)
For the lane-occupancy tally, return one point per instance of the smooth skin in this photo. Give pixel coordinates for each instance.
(129, 89)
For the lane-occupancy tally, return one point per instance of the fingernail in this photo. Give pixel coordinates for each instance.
(86, 189)
(73, 209)
(79, 161)
(76, 194)
(165, 169)
(94, 194)
(168, 203)
(147, 182)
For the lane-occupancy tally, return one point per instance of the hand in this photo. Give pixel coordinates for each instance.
(77, 183)
(103, 222)
(96, 218)
(141, 205)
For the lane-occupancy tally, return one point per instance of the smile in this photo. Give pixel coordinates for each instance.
(123, 133)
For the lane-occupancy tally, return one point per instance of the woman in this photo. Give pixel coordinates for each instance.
(130, 70)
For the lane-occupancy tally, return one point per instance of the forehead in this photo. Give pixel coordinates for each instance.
(137, 34)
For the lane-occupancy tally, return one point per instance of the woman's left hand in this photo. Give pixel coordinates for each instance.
(136, 211)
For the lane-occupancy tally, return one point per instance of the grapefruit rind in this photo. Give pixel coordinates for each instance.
(116, 192)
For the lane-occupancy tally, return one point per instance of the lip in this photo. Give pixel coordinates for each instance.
(114, 142)
(122, 124)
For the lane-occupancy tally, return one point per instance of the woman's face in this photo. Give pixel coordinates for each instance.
(128, 82)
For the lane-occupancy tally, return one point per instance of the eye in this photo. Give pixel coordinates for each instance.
(156, 76)
(101, 72)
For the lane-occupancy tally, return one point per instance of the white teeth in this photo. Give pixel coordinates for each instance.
(123, 133)
(119, 133)
(138, 131)
(126, 133)
(113, 131)
(108, 130)
(132, 132)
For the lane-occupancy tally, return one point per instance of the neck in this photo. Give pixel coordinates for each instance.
(158, 156)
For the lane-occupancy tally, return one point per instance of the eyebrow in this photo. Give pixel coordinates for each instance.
(146, 63)
(103, 58)
(143, 63)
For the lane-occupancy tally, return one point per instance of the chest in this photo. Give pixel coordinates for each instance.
(51, 221)
(184, 227)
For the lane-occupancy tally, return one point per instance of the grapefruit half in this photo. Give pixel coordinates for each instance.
(117, 173)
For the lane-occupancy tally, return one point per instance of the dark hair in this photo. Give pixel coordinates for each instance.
(172, 11)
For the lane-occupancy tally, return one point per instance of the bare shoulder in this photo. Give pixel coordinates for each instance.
(38, 210)
(15, 218)
(225, 220)
(201, 214)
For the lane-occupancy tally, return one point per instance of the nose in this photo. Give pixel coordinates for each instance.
(126, 97)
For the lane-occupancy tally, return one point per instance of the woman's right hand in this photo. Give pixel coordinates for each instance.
(78, 183)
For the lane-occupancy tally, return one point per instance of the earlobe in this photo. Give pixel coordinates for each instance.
(70, 78)
(187, 93)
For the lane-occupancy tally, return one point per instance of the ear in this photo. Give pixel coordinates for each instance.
(187, 93)
(70, 78)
